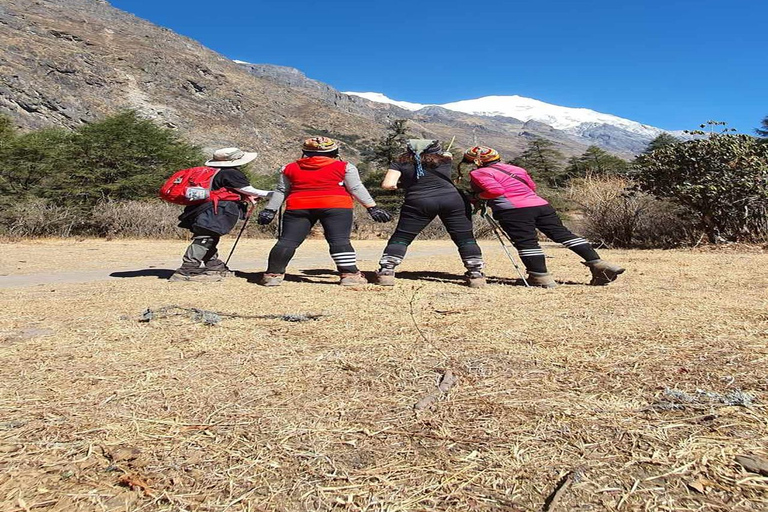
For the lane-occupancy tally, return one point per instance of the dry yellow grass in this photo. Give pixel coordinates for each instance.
(101, 412)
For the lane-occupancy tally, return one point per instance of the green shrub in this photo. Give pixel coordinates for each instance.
(722, 178)
(120, 157)
(123, 157)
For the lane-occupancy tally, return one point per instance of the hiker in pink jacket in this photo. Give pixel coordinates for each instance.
(511, 194)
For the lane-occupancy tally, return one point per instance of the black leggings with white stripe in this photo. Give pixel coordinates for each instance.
(521, 225)
(337, 225)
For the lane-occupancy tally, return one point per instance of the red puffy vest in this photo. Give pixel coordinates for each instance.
(193, 186)
(315, 185)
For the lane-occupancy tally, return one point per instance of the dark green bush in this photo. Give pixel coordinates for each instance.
(121, 157)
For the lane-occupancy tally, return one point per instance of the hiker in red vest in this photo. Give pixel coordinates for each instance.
(318, 187)
(511, 194)
(212, 219)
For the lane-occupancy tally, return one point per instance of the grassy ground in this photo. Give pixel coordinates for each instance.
(573, 389)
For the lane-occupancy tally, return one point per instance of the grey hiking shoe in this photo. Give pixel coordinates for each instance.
(353, 279)
(217, 267)
(197, 275)
(603, 272)
(475, 279)
(541, 280)
(385, 278)
(271, 279)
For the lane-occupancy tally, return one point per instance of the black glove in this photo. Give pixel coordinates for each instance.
(266, 216)
(479, 206)
(379, 214)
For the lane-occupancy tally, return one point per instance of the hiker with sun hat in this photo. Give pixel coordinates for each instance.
(424, 171)
(319, 187)
(226, 190)
(511, 194)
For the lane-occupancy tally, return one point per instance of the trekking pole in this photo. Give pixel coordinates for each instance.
(245, 223)
(495, 228)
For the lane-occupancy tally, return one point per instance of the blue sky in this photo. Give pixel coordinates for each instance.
(668, 63)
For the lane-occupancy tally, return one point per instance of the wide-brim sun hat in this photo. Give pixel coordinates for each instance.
(319, 145)
(230, 157)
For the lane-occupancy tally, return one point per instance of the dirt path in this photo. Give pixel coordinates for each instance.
(313, 254)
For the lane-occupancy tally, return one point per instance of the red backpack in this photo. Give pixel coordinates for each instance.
(193, 186)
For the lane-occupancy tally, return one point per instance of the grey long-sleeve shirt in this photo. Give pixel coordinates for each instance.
(352, 183)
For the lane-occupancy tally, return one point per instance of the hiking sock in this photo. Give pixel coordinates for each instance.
(388, 262)
(474, 265)
(582, 247)
(533, 259)
(469, 251)
(346, 262)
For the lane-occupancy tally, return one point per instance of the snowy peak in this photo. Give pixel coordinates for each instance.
(569, 119)
(561, 118)
(380, 98)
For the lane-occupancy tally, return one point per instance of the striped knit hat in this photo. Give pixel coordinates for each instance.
(319, 145)
(481, 155)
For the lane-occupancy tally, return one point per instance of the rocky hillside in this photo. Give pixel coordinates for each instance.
(67, 62)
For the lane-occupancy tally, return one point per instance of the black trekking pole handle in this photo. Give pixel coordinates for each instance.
(242, 229)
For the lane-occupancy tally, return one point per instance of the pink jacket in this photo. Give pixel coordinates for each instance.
(502, 191)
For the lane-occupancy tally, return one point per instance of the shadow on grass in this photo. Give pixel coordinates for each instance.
(445, 277)
(426, 275)
(160, 273)
(255, 277)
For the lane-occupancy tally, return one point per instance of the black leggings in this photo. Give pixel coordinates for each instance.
(337, 225)
(416, 214)
(521, 225)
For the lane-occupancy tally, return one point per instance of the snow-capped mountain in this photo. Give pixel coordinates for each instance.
(507, 123)
(572, 120)
(380, 98)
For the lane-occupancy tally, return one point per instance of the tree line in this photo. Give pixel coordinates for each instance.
(719, 177)
(121, 157)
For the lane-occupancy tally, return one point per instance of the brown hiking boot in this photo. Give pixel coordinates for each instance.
(353, 279)
(385, 278)
(196, 275)
(271, 279)
(603, 272)
(475, 279)
(541, 280)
